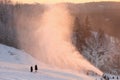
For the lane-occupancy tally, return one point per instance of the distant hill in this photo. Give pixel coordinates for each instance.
(104, 15)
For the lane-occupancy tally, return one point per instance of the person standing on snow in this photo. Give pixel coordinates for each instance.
(36, 68)
(31, 69)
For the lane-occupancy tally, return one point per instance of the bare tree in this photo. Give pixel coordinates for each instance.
(7, 27)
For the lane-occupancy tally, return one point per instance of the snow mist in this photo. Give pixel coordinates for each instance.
(51, 41)
(55, 43)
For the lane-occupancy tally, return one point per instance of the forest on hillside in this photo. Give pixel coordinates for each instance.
(95, 32)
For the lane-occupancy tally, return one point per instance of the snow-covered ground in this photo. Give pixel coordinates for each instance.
(15, 65)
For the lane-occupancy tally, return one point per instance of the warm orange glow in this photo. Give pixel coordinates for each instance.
(57, 1)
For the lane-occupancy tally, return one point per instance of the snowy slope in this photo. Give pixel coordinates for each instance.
(15, 64)
(12, 55)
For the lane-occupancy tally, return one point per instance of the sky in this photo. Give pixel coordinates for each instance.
(57, 1)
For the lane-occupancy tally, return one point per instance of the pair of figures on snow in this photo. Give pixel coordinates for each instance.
(35, 68)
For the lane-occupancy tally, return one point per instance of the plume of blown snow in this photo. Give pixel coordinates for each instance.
(55, 40)
(48, 38)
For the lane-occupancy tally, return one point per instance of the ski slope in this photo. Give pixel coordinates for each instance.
(15, 65)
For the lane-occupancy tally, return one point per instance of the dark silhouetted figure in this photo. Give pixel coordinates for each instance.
(117, 77)
(104, 76)
(36, 68)
(113, 77)
(31, 69)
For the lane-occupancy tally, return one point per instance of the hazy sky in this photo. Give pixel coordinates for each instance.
(56, 1)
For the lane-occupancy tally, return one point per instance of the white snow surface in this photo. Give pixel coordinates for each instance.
(15, 65)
